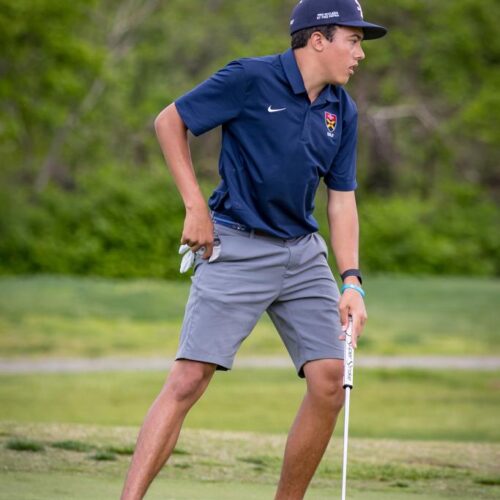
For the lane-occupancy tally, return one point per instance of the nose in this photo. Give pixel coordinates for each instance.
(360, 55)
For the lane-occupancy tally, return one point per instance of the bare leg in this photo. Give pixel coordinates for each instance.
(185, 384)
(312, 428)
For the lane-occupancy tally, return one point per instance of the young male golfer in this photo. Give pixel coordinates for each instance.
(286, 123)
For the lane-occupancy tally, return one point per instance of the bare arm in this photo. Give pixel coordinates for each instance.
(172, 136)
(344, 229)
(344, 236)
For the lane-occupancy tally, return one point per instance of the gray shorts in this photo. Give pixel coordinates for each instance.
(289, 279)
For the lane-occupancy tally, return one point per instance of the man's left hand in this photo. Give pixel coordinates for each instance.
(352, 304)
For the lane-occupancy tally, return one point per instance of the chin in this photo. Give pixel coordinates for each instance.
(340, 78)
(340, 81)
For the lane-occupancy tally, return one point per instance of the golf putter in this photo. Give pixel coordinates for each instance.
(348, 384)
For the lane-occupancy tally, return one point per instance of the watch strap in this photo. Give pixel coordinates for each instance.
(352, 272)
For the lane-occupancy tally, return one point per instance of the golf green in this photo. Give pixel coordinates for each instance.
(57, 486)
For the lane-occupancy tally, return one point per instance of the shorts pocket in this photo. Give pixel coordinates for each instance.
(217, 248)
(216, 253)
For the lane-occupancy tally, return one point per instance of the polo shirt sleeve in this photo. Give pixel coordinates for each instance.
(342, 173)
(215, 101)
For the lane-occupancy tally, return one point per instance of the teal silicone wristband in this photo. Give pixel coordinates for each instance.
(354, 287)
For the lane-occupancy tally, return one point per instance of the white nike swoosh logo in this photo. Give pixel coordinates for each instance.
(271, 110)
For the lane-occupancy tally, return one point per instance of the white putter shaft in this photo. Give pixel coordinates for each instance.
(348, 385)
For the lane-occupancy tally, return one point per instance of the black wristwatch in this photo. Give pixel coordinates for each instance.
(352, 272)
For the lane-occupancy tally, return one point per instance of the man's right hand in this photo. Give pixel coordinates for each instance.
(198, 230)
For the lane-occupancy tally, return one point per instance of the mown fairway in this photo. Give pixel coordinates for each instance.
(61, 316)
(385, 404)
(85, 487)
(415, 434)
(89, 462)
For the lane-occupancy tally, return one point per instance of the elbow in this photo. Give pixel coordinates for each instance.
(169, 118)
(163, 117)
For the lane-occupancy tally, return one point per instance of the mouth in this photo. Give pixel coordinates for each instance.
(352, 69)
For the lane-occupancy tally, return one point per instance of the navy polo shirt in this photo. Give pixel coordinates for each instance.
(276, 145)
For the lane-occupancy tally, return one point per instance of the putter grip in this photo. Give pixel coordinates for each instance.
(348, 357)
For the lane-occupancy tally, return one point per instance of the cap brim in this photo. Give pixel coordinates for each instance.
(371, 31)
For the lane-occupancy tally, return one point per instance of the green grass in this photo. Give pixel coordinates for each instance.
(34, 486)
(226, 465)
(421, 435)
(401, 404)
(122, 450)
(64, 316)
(73, 445)
(103, 455)
(20, 444)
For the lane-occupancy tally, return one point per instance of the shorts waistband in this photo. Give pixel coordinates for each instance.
(225, 221)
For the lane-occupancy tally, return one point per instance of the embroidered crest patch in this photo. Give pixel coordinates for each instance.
(331, 123)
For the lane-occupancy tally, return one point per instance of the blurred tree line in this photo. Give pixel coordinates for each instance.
(83, 186)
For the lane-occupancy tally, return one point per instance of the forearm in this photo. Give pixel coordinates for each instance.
(172, 136)
(344, 231)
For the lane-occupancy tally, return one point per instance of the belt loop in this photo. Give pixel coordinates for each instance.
(252, 233)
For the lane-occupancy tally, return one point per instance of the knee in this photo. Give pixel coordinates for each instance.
(331, 395)
(325, 387)
(188, 380)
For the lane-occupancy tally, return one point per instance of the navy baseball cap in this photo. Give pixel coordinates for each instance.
(309, 13)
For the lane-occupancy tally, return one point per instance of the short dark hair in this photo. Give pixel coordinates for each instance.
(300, 38)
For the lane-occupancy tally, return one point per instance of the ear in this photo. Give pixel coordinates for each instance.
(318, 41)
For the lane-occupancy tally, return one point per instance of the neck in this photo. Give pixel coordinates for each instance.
(311, 72)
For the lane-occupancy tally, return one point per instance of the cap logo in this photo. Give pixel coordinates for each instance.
(327, 15)
(331, 123)
(359, 8)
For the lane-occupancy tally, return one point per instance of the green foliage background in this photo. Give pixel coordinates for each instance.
(83, 186)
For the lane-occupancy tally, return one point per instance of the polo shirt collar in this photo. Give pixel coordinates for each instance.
(292, 72)
(294, 77)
